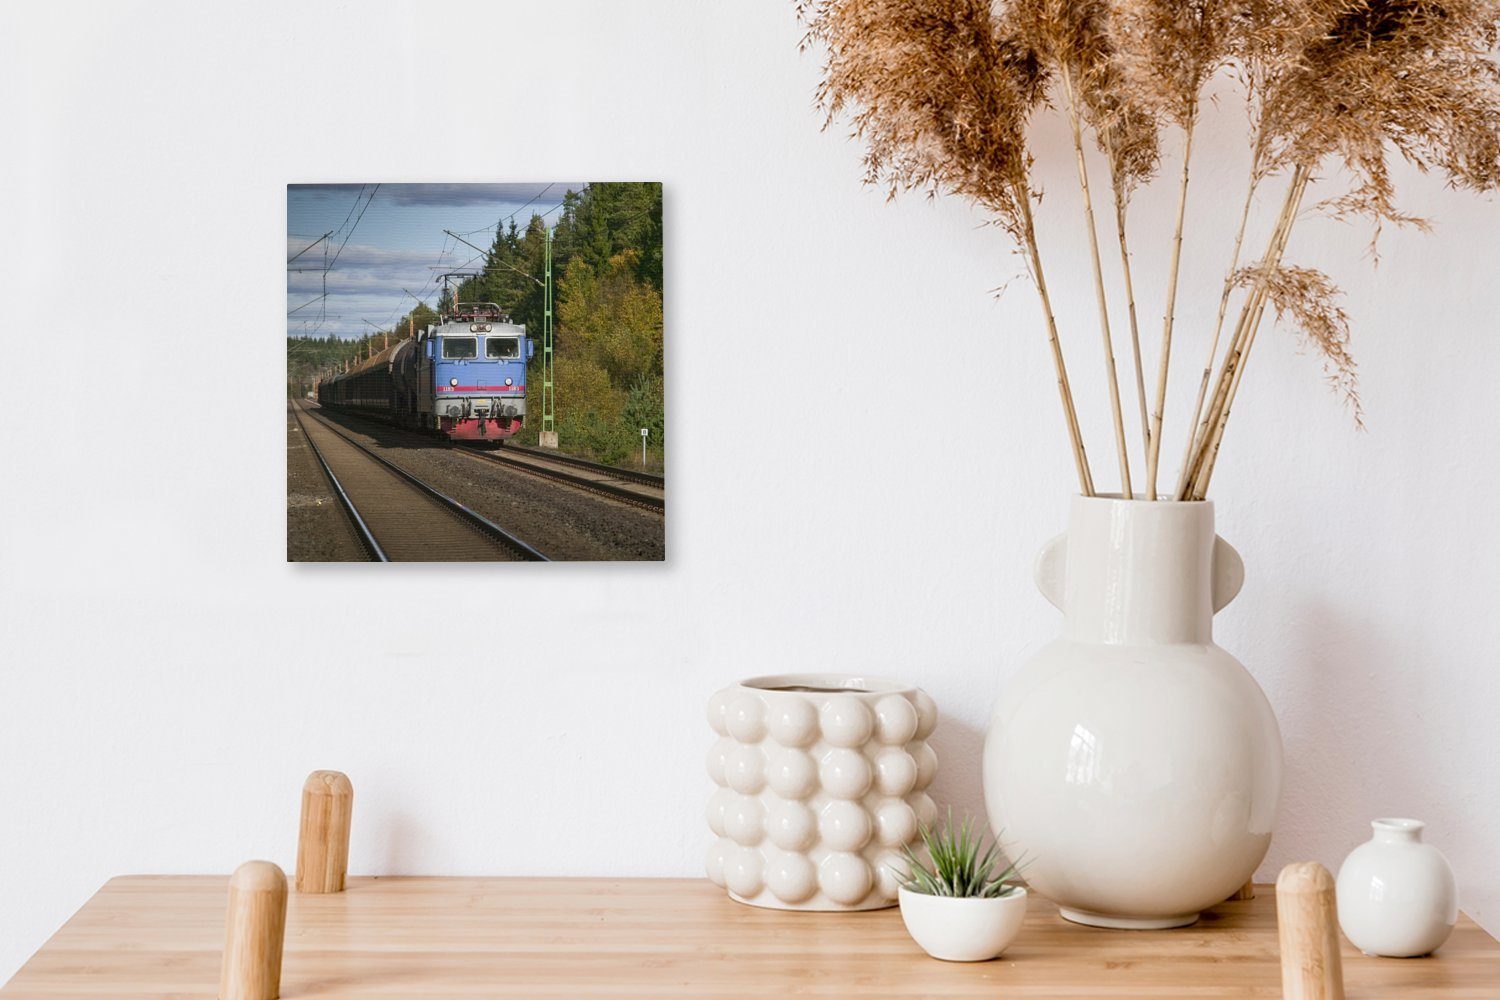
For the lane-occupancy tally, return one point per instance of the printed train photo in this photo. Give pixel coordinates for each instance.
(475, 372)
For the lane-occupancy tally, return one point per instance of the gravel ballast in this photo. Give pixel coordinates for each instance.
(562, 522)
(317, 529)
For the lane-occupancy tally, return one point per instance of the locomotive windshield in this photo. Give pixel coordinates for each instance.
(502, 347)
(459, 347)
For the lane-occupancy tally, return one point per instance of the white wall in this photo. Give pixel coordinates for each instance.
(169, 680)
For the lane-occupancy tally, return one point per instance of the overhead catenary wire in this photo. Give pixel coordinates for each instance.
(355, 215)
(352, 228)
(396, 312)
(329, 264)
(368, 200)
(631, 218)
(304, 250)
(496, 226)
(491, 260)
(304, 305)
(352, 207)
(460, 267)
(442, 252)
(488, 254)
(516, 269)
(529, 203)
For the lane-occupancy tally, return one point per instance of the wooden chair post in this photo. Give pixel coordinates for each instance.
(1307, 925)
(253, 933)
(323, 839)
(1244, 892)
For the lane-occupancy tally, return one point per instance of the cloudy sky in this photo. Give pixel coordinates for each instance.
(389, 238)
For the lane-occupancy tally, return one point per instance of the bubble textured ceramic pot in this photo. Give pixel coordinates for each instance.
(1134, 763)
(1396, 895)
(821, 781)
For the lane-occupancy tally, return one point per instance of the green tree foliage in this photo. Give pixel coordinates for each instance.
(607, 318)
(307, 357)
(610, 355)
(415, 320)
(609, 218)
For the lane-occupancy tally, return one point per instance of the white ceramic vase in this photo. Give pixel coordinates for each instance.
(963, 930)
(1396, 895)
(1133, 763)
(822, 781)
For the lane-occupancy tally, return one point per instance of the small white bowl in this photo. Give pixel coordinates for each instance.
(963, 930)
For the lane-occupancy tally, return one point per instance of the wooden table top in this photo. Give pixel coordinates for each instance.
(425, 938)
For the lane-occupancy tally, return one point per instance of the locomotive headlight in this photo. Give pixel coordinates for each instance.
(507, 382)
(453, 382)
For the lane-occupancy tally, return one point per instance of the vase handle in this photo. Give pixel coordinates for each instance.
(1051, 567)
(1052, 562)
(1228, 573)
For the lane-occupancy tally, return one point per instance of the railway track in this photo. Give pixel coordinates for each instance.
(631, 475)
(397, 516)
(639, 488)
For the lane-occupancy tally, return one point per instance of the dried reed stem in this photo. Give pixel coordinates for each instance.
(1235, 352)
(1153, 440)
(942, 92)
(1064, 389)
(1206, 475)
(1135, 333)
(1195, 431)
(1109, 350)
(1244, 338)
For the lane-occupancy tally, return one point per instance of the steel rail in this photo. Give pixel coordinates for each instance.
(634, 475)
(366, 537)
(611, 490)
(460, 510)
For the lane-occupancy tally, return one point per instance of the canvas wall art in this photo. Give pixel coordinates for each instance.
(475, 372)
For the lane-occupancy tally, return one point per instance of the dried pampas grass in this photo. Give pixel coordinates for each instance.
(941, 92)
(938, 96)
(1308, 299)
(941, 96)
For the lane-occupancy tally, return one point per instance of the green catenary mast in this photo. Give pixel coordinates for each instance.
(549, 392)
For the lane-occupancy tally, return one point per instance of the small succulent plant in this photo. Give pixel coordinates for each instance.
(959, 864)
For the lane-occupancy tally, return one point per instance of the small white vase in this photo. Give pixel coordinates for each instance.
(1132, 761)
(963, 930)
(1396, 895)
(822, 780)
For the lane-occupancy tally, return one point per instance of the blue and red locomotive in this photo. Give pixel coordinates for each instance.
(464, 378)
